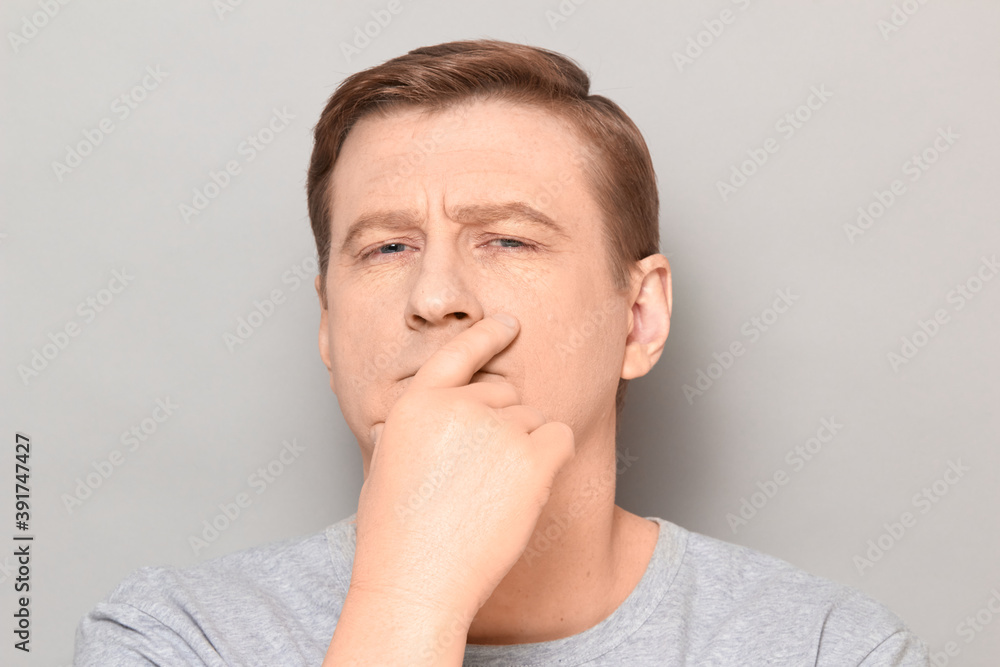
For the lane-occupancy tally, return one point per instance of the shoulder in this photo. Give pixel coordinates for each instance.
(753, 576)
(208, 609)
(767, 602)
(291, 566)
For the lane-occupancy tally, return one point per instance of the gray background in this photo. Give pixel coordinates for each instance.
(695, 460)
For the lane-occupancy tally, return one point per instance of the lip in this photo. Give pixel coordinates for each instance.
(487, 369)
(480, 374)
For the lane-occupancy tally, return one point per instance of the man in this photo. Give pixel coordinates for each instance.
(489, 280)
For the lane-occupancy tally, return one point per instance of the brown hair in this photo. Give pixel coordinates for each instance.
(436, 77)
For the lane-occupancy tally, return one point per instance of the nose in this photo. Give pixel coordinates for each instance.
(443, 291)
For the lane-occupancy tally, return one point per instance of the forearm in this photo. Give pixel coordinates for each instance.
(382, 629)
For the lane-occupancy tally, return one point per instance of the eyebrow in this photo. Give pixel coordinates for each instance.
(474, 214)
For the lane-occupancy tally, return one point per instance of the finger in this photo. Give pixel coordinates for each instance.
(454, 364)
(524, 417)
(494, 394)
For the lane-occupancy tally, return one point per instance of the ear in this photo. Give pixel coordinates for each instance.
(652, 301)
(324, 332)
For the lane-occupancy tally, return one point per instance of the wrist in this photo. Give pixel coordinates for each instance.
(430, 602)
(409, 627)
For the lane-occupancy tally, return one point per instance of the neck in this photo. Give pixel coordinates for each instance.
(584, 558)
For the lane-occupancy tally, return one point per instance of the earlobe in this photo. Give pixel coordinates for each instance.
(670, 294)
(650, 316)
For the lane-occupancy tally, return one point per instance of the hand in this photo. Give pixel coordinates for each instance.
(458, 478)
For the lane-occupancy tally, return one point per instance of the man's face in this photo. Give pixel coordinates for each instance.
(451, 205)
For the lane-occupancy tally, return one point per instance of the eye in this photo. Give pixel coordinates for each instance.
(521, 244)
(375, 250)
(397, 247)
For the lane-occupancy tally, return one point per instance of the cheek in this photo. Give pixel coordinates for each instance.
(353, 343)
(366, 352)
(595, 343)
(574, 354)
(369, 347)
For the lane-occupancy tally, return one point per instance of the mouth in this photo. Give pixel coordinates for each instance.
(478, 376)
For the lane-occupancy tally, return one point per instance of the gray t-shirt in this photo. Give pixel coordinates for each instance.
(701, 601)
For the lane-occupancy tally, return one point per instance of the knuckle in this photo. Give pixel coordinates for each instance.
(507, 391)
(537, 414)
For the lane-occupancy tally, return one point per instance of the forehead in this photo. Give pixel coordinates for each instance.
(473, 151)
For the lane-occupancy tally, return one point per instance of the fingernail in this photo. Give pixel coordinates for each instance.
(505, 319)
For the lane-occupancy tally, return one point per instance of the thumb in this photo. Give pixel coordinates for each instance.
(556, 444)
(375, 434)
